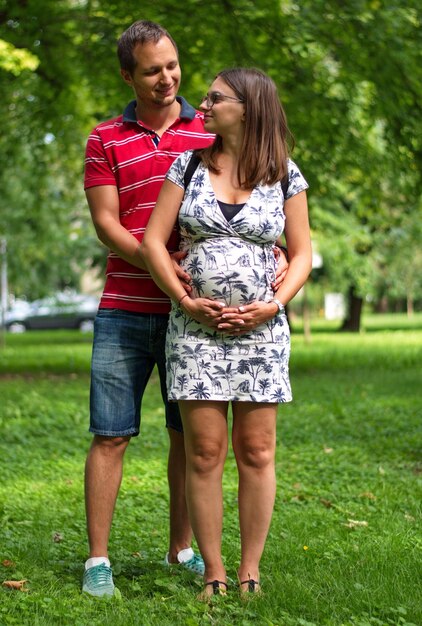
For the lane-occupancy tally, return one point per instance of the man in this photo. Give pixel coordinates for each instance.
(126, 162)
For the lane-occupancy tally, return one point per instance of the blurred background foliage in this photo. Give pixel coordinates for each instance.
(349, 76)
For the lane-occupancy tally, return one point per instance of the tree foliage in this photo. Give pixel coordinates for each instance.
(349, 75)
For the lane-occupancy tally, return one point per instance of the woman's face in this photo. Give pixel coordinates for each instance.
(223, 111)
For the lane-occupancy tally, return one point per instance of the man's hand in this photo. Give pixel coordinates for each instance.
(282, 267)
(183, 276)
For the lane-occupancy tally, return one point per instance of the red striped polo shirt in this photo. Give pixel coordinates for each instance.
(125, 153)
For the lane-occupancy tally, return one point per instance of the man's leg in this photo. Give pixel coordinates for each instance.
(121, 367)
(103, 475)
(180, 528)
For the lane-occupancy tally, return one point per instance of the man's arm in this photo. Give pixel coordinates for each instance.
(103, 203)
(281, 255)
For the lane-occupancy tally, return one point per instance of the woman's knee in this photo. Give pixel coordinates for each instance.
(256, 455)
(206, 456)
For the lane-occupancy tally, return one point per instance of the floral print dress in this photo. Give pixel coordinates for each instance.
(233, 262)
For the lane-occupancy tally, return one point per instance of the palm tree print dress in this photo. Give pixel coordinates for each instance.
(233, 262)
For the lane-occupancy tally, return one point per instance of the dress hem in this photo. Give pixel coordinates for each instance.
(233, 399)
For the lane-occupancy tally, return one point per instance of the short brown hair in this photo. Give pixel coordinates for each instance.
(140, 32)
(265, 151)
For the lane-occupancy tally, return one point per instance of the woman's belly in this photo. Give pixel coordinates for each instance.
(230, 270)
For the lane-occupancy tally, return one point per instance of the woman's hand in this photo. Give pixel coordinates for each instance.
(246, 318)
(203, 310)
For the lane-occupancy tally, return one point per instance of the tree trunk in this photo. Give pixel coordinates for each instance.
(306, 316)
(409, 303)
(382, 305)
(354, 305)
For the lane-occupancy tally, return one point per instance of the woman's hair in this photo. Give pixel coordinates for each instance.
(264, 152)
(140, 32)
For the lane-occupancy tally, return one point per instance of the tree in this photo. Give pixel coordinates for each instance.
(42, 210)
(399, 275)
(349, 77)
(372, 182)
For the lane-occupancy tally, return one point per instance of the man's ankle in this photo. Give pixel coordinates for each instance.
(181, 555)
(96, 560)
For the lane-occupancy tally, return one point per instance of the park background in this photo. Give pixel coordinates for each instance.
(344, 546)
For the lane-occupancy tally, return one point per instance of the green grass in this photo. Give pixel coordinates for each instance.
(349, 449)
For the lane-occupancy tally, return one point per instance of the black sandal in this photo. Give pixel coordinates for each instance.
(216, 589)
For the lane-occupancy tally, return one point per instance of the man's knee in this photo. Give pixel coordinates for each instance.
(176, 438)
(110, 446)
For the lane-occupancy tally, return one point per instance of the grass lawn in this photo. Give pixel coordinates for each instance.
(345, 542)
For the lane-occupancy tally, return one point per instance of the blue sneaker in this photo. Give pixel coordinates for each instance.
(189, 561)
(98, 581)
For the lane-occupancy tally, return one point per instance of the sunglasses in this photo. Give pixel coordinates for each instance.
(215, 97)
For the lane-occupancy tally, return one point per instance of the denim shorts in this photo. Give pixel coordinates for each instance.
(125, 349)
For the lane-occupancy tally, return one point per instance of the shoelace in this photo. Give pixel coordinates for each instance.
(100, 575)
(195, 564)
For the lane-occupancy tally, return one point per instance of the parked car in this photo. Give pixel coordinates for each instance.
(63, 310)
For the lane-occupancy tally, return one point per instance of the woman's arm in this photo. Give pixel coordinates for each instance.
(298, 239)
(157, 258)
(153, 247)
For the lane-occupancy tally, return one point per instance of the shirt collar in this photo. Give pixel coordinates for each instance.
(186, 111)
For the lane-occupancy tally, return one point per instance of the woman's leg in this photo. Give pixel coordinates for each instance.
(254, 437)
(206, 441)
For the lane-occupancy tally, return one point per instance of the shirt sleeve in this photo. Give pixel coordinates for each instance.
(177, 170)
(97, 167)
(297, 182)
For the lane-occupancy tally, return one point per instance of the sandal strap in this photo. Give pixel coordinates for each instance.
(251, 584)
(216, 586)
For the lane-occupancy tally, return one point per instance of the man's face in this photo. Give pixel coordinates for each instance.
(156, 77)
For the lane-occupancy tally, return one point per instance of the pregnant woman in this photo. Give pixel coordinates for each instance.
(228, 338)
